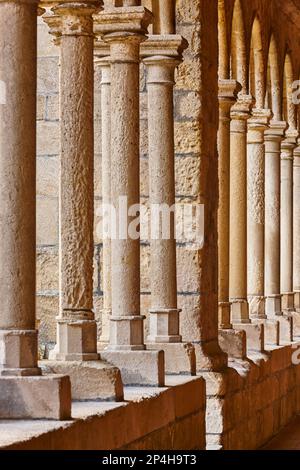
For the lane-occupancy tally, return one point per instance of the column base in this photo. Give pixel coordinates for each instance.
(239, 311)
(126, 333)
(180, 358)
(234, 343)
(43, 397)
(18, 353)
(257, 307)
(255, 335)
(76, 340)
(92, 380)
(287, 304)
(224, 315)
(272, 330)
(164, 325)
(138, 367)
(273, 305)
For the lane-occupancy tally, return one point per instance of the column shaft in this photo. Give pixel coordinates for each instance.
(76, 335)
(286, 221)
(18, 49)
(273, 138)
(296, 229)
(238, 210)
(256, 211)
(227, 95)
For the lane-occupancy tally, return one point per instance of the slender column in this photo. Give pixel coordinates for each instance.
(164, 16)
(104, 65)
(296, 230)
(240, 113)
(273, 138)
(257, 124)
(124, 29)
(286, 219)
(76, 326)
(20, 395)
(162, 56)
(227, 96)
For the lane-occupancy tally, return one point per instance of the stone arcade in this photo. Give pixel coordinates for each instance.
(149, 343)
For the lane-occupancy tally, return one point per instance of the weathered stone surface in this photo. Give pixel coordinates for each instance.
(91, 380)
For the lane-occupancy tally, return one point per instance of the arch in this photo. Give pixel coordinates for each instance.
(224, 65)
(273, 85)
(289, 109)
(238, 47)
(256, 65)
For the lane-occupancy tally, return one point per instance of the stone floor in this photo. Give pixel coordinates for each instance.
(287, 439)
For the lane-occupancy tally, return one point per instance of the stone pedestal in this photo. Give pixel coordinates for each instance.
(240, 113)
(257, 124)
(228, 90)
(123, 29)
(24, 392)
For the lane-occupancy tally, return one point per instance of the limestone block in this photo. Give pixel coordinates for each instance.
(234, 343)
(46, 47)
(187, 105)
(52, 107)
(48, 134)
(47, 176)
(180, 358)
(47, 75)
(41, 108)
(90, 380)
(286, 328)
(187, 175)
(40, 397)
(255, 335)
(47, 221)
(138, 367)
(187, 137)
(46, 311)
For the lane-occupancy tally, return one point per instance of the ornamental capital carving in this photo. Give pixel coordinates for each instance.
(72, 18)
(276, 130)
(122, 20)
(241, 109)
(259, 119)
(171, 45)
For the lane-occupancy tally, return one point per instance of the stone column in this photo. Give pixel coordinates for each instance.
(72, 25)
(103, 63)
(296, 230)
(24, 392)
(273, 138)
(162, 54)
(228, 90)
(240, 113)
(286, 221)
(76, 326)
(124, 29)
(257, 124)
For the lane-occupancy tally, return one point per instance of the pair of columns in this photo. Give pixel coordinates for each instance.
(122, 30)
(162, 54)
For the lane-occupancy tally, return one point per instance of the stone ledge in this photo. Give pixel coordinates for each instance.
(148, 415)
